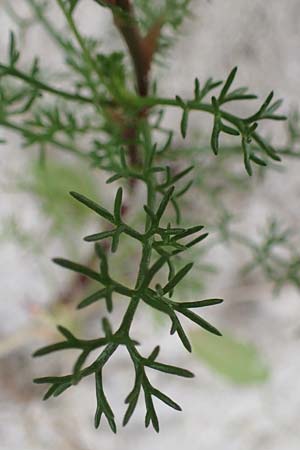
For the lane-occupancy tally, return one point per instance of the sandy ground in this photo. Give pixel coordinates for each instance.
(263, 39)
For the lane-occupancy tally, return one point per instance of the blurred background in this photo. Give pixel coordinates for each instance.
(246, 393)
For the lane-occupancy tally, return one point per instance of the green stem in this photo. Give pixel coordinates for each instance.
(150, 180)
(57, 143)
(191, 105)
(77, 35)
(147, 245)
(38, 11)
(86, 54)
(44, 87)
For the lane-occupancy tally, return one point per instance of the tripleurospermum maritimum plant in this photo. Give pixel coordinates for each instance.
(120, 111)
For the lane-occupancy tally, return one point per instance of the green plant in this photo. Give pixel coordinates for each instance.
(121, 115)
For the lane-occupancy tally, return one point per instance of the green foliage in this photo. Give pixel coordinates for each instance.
(49, 183)
(98, 118)
(276, 256)
(166, 243)
(243, 127)
(239, 362)
(170, 13)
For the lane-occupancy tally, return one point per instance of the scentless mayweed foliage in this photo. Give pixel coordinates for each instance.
(118, 108)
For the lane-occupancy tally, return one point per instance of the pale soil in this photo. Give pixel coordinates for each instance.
(263, 38)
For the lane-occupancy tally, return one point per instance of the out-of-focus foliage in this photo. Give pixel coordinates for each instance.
(49, 183)
(239, 362)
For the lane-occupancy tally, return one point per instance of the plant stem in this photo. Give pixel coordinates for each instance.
(147, 246)
(135, 43)
(55, 142)
(86, 54)
(191, 105)
(45, 87)
(38, 11)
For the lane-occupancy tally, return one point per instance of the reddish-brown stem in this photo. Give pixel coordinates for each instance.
(140, 48)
